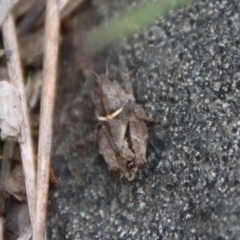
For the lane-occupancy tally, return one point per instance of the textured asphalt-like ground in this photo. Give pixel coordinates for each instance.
(186, 73)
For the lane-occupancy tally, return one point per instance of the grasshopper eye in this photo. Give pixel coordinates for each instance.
(130, 165)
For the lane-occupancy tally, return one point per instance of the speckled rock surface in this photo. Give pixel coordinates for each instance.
(186, 72)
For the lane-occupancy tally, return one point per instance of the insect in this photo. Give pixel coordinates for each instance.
(123, 134)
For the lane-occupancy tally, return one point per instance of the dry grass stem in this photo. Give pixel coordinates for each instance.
(31, 17)
(26, 235)
(16, 78)
(46, 115)
(22, 7)
(67, 6)
(5, 7)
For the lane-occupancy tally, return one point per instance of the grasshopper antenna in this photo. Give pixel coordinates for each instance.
(95, 74)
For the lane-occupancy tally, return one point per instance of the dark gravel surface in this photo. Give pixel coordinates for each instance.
(186, 73)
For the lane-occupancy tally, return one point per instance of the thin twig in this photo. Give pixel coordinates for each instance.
(16, 78)
(67, 6)
(22, 7)
(46, 115)
(26, 235)
(5, 7)
(30, 18)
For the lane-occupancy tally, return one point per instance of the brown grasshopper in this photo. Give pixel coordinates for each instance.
(123, 135)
